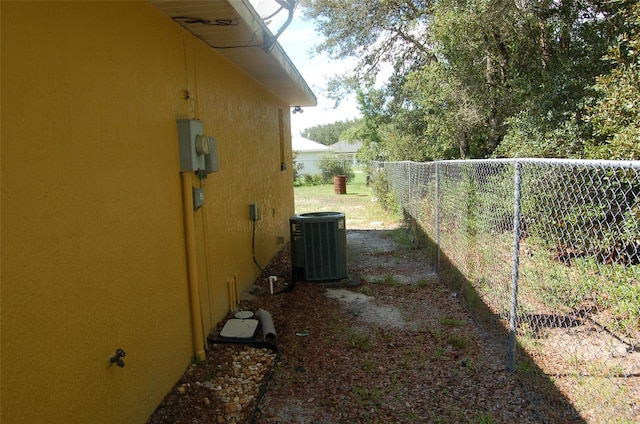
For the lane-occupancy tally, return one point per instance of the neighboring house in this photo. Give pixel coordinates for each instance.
(309, 154)
(101, 246)
(347, 150)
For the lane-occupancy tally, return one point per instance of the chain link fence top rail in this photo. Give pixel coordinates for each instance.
(551, 249)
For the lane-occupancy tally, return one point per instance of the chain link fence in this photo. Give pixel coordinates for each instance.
(547, 255)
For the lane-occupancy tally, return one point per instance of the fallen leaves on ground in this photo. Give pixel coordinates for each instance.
(341, 362)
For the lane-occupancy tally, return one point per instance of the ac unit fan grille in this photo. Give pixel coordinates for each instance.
(320, 249)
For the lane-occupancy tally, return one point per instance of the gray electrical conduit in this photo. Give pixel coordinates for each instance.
(268, 330)
(291, 285)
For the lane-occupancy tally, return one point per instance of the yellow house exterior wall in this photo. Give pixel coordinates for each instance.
(93, 238)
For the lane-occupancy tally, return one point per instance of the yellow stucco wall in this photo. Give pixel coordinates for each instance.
(93, 245)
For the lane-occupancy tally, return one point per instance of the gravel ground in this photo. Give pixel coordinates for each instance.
(398, 348)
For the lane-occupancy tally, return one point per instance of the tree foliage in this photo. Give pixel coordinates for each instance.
(616, 111)
(378, 32)
(480, 78)
(331, 165)
(329, 134)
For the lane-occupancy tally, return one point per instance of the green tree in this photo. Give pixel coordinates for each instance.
(474, 78)
(615, 115)
(571, 38)
(478, 42)
(329, 134)
(371, 105)
(379, 34)
(375, 32)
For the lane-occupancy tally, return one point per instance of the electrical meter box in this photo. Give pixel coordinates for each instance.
(211, 160)
(194, 146)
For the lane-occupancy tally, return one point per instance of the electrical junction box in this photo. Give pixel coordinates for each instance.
(194, 146)
(198, 198)
(254, 212)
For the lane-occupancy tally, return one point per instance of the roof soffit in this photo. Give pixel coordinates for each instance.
(235, 30)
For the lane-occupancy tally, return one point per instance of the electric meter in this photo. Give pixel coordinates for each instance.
(203, 145)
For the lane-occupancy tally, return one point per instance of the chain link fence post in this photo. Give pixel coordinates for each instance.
(513, 313)
(410, 177)
(437, 216)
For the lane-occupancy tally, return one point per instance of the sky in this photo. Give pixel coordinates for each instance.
(297, 40)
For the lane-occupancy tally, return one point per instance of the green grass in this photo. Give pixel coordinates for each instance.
(353, 338)
(371, 398)
(607, 293)
(412, 288)
(457, 341)
(482, 418)
(451, 322)
(369, 365)
(357, 204)
(366, 290)
(402, 237)
(612, 287)
(359, 341)
(390, 280)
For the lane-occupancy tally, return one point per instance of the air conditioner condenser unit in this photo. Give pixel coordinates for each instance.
(319, 246)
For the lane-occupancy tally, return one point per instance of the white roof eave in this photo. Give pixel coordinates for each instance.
(235, 30)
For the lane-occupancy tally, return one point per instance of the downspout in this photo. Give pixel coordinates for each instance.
(192, 270)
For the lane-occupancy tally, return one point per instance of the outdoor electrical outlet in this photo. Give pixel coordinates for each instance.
(254, 213)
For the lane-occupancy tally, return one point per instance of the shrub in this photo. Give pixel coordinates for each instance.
(312, 180)
(297, 169)
(331, 165)
(382, 191)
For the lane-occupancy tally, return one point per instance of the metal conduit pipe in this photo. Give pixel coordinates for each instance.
(192, 269)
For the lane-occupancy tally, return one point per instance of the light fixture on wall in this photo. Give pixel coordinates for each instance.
(297, 109)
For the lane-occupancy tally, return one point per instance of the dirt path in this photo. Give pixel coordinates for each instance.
(398, 348)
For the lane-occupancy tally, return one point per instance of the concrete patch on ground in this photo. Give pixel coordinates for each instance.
(365, 308)
(378, 258)
(367, 242)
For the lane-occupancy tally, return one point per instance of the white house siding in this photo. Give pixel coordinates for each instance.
(347, 150)
(309, 154)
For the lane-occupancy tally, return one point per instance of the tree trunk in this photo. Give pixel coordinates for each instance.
(463, 144)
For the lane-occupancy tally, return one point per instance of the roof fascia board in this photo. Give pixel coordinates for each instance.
(248, 14)
(269, 64)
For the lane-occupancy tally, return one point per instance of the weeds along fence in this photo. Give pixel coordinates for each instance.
(548, 251)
